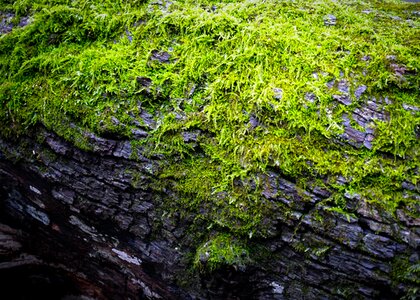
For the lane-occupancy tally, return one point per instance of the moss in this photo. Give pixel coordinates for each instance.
(408, 272)
(404, 270)
(221, 250)
(235, 71)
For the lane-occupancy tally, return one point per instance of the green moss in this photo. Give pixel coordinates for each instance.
(409, 273)
(221, 250)
(74, 69)
(403, 269)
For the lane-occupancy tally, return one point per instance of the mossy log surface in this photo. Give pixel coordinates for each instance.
(212, 149)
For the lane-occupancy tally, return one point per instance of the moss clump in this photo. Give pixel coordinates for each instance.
(251, 77)
(222, 250)
(408, 272)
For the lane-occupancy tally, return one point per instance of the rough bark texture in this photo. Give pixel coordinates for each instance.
(99, 224)
(80, 219)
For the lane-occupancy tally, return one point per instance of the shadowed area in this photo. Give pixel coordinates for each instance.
(30, 282)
